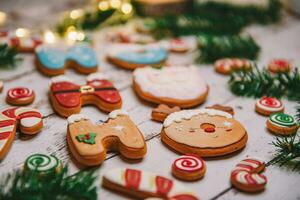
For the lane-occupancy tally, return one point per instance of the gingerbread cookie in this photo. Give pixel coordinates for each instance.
(141, 184)
(26, 44)
(28, 120)
(20, 96)
(89, 143)
(204, 132)
(189, 167)
(222, 108)
(268, 105)
(246, 175)
(43, 164)
(282, 124)
(1, 85)
(228, 65)
(173, 86)
(162, 111)
(137, 57)
(52, 60)
(67, 98)
(279, 66)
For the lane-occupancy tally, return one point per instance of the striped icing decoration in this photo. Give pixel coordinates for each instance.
(189, 163)
(42, 163)
(270, 104)
(283, 120)
(19, 92)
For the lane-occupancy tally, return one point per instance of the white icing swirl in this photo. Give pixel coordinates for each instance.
(97, 76)
(114, 114)
(76, 118)
(188, 114)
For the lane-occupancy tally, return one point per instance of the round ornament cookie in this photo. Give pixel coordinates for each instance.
(204, 132)
(20, 96)
(246, 175)
(137, 56)
(42, 164)
(173, 86)
(279, 66)
(282, 124)
(268, 105)
(227, 65)
(189, 167)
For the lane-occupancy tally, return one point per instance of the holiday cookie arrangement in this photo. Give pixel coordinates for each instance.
(89, 143)
(53, 60)
(173, 86)
(67, 97)
(28, 120)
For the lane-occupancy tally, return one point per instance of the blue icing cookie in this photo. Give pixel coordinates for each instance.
(149, 56)
(54, 58)
(50, 57)
(83, 55)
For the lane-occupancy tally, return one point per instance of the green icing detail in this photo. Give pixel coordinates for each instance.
(42, 163)
(88, 138)
(282, 119)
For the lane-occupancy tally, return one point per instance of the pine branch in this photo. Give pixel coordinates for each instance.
(287, 152)
(8, 56)
(21, 185)
(258, 83)
(298, 113)
(213, 47)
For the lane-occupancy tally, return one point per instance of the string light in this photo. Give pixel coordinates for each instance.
(115, 3)
(2, 18)
(126, 8)
(103, 5)
(73, 35)
(49, 37)
(22, 32)
(75, 14)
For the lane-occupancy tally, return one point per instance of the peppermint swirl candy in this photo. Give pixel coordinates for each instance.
(42, 163)
(21, 92)
(188, 163)
(247, 178)
(270, 102)
(282, 119)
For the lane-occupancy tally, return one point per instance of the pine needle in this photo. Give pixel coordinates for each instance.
(8, 56)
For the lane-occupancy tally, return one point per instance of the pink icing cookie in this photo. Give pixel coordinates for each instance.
(68, 97)
(20, 96)
(141, 184)
(268, 105)
(227, 65)
(245, 176)
(29, 120)
(279, 65)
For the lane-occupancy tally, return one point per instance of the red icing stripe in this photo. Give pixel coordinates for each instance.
(7, 123)
(30, 114)
(109, 96)
(10, 112)
(184, 197)
(132, 178)
(246, 167)
(4, 135)
(163, 185)
(254, 161)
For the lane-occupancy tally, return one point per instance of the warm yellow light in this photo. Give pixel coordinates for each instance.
(75, 14)
(49, 37)
(80, 36)
(115, 3)
(126, 8)
(22, 32)
(2, 17)
(103, 5)
(72, 36)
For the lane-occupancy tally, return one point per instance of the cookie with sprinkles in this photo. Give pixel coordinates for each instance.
(43, 164)
(20, 96)
(268, 105)
(247, 177)
(279, 66)
(282, 124)
(189, 167)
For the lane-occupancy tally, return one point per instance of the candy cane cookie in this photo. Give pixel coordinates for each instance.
(279, 66)
(189, 167)
(268, 105)
(42, 164)
(282, 124)
(246, 175)
(227, 65)
(142, 185)
(20, 96)
(29, 121)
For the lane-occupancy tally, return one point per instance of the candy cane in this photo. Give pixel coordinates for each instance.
(245, 175)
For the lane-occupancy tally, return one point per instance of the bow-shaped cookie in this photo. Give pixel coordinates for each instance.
(52, 60)
(89, 143)
(68, 97)
(29, 120)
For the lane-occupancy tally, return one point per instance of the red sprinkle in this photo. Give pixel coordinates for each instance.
(209, 130)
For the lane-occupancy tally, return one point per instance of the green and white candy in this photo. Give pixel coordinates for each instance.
(283, 120)
(42, 163)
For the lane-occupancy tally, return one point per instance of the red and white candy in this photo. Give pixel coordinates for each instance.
(19, 93)
(227, 65)
(245, 176)
(269, 105)
(189, 163)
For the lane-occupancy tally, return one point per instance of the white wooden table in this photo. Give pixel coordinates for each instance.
(280, 40)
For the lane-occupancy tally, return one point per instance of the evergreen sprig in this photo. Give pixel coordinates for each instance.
(257, 83)
(298, 113)
(287, 152)
(26, 185)
(8, 56)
